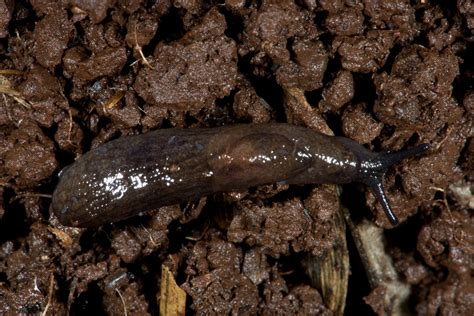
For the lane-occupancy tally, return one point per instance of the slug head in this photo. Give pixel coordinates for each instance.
(373, 168)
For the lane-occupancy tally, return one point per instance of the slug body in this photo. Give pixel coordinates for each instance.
(136, 174)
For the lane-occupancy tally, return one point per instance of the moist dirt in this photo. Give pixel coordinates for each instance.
(389, 74)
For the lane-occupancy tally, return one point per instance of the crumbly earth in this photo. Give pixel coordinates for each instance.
(389, 74)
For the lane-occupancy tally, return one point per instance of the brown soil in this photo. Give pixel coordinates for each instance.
(389, 74)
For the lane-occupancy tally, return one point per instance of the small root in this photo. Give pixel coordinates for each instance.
(123, 302)
(50, 295)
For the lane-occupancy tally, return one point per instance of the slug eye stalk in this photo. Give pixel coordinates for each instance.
(373, 171)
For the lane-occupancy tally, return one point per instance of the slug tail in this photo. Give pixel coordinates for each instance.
(373, 171)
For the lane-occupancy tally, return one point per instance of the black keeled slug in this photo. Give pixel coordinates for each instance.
(135, 174)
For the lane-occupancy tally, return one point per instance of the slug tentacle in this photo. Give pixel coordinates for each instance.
(372, 171)
(388, 159)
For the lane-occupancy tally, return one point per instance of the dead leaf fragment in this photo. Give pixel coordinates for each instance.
(173, 298)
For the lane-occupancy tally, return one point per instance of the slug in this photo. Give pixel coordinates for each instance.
(135, 174)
